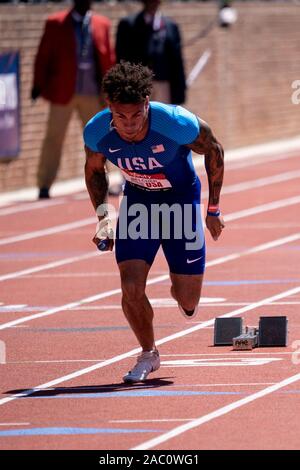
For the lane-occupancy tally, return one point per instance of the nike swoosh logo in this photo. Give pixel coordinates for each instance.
(189, 261)
(113, 150)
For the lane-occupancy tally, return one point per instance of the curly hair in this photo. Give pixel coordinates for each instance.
(127, 83)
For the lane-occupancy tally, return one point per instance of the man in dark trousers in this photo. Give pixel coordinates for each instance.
(152, 39)
(73, 55)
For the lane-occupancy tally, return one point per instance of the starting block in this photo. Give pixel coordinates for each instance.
(226, 329)
(272, 331)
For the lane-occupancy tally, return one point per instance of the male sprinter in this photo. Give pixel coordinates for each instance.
(151, 143)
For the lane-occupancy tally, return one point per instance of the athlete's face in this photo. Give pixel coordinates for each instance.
(130, 120)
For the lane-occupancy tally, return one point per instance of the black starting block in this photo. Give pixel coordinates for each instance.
(226, 329)
(272, 331)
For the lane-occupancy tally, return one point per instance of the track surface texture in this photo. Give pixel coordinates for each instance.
(66, 344)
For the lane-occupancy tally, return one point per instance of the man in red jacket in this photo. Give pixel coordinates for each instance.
(73, 55)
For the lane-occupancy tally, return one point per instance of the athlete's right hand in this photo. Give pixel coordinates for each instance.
(104, 231)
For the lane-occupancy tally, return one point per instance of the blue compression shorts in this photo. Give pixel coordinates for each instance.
(146, 222)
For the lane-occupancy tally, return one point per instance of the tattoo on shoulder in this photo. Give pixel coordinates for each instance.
(205, 140)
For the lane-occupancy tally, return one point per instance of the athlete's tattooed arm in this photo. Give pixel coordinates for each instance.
(96, 182)
(95, 177)
(207, 144)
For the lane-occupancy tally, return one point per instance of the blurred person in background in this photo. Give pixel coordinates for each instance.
(152, 39)
(73, 55)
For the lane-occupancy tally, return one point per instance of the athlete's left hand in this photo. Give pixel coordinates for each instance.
(104, 231)
(215, 225)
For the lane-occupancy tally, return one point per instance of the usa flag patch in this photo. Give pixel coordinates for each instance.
(158, 148)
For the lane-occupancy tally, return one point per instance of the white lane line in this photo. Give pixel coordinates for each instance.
(264, 225)
(228, 304)
(198, 163)
(75, 275)
(232, 216)
(229, 354)
(250, 155)
(75, 304)
(167, 420)
(251, 384)
(240, 165)
(226, 190)
(168, 302)
(81, 196)
(48, 231)
(55, 361)
(54, 264)
(14, 306)
(155, 280)
(83, 274)
(263, 208)
(198, 67)
(254, 161)
(62, 188)
(224, 356)
(257, 183)
(167, 339)
(68, 306)
(255, 249)
(215, 414)
(14, 424)
(118, 306)
(276, 147)
(220, 362)
(31, 206)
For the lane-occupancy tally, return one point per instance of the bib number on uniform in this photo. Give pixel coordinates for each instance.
(150, 182)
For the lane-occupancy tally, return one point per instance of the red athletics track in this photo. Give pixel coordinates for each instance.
(65, 334)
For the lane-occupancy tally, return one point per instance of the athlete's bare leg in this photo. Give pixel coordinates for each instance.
(186, 289)
(135, 304)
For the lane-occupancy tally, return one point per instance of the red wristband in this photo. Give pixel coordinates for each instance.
(213, 208)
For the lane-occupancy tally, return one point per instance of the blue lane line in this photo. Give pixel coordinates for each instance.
(141, 393)
(133, 393)
(71, 431)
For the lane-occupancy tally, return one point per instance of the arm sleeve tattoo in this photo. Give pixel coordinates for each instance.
(207, 144)
(95, 177)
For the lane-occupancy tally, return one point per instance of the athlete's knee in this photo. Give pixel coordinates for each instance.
(132, 290)
(187, 299)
